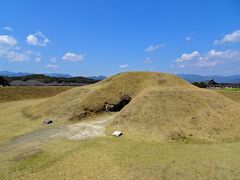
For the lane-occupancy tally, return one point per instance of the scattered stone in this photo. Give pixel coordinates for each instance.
(124, 100)
(117, 133)
(48, 121)
(109, 107)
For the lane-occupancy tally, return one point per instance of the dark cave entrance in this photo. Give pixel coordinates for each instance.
(117, 107)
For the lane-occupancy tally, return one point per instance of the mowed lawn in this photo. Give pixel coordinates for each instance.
(108, 157)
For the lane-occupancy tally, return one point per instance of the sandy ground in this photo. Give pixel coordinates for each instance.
(79, 131)
(83, 131)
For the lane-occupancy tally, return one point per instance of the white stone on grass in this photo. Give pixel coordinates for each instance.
(117, 133)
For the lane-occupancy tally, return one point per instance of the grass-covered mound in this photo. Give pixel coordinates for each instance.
(162, 107)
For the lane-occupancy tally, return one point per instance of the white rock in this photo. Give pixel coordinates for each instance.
(117, 133)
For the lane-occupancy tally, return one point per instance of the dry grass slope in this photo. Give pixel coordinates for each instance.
(25, 92)
(163, 107)
(234, 95)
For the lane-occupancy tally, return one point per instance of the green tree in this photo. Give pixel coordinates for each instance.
(3, 81)
(200, 84)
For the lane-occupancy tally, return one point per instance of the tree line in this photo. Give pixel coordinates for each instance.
(6, 81)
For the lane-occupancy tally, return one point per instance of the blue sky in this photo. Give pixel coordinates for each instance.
(93, 37)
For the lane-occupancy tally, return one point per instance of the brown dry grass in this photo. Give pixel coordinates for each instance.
(123, 158)
(27, 92)
(156, 112)
(162, 105)
(233, 95)
(12, 120)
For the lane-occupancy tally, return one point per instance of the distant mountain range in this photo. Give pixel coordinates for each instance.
(17, 74)
(99, 78)
(218, 79)
(187, 77)
(58, 75)
(13, 74)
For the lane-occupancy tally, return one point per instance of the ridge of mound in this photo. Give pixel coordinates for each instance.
(162, 107)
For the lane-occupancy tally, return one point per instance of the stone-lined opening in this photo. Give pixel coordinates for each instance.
(117, 107)
(108, 107)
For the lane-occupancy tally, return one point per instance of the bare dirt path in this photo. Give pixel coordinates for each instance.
(84, 130)
(79, 131)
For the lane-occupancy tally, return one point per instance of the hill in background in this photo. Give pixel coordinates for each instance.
(13, 74)
(17, 74)
(51, 79)
(187, 77)
(43, 80)
(219, 79)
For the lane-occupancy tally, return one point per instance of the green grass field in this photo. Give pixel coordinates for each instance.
(231, 89)
(107, 157)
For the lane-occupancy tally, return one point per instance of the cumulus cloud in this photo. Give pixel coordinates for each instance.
(150, 69)
(9, 50)
(34, 55)
(209, 59)
(53, 60)
(153, 47)
(123, 66)
(188, 38)
(147, 60)
(13, 56)
(6, 40)
(37, 39)
(53, 63)
(69, 56)
(229, 38)
(52, 66)
(188, 57)
(8, 28)
(38, 59)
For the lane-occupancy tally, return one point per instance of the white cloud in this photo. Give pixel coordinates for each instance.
(188, 38)
(229, 38)
(8, 28)
(123, 66)
(227, 54)
(151, 68)
(154, 47)
(69, 56)
(9, 50)
(209, 59)
(38, 59)
(53, 60)
(7, 40)
(147, 60)
(13, 55)
(187, 57)
(34, 55)
(37, 39)
(52, 66)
